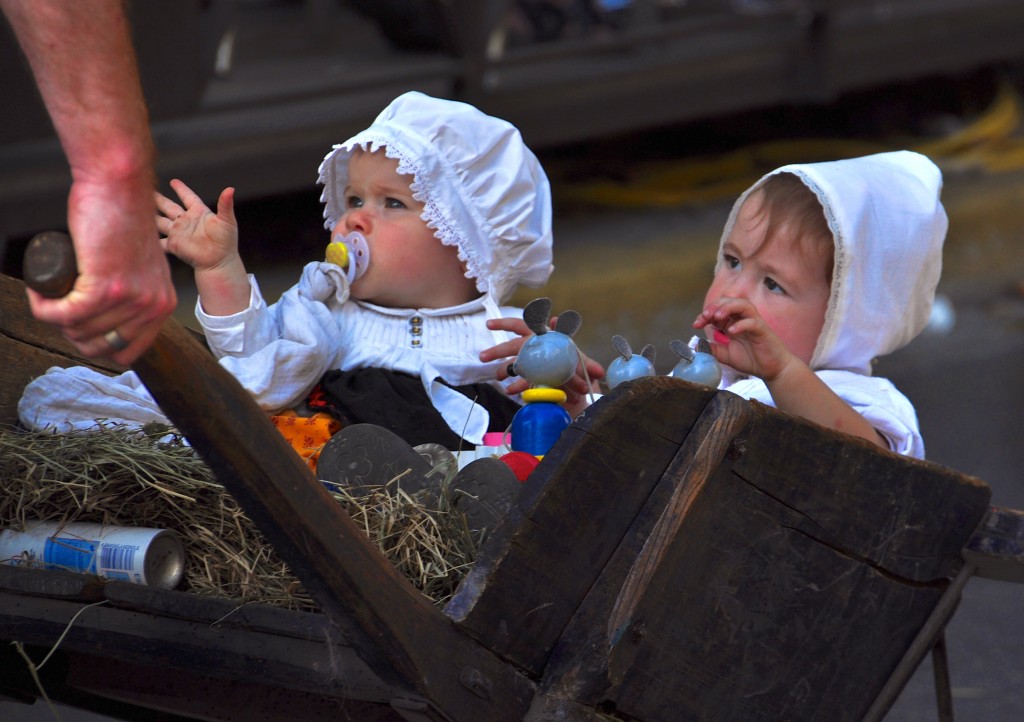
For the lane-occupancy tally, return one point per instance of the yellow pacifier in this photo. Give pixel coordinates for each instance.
(337, 253)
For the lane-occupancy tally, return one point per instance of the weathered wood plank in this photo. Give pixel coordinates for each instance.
(579, 668)
(151, 646)
(577, 505)
(53, 583)
(911, 518)
(104, 685)
(765, 625)
(88, 588)
(394, 627)
(327, 667)
(17, 322)
(778, 582)
(22, 363)
(216, 611)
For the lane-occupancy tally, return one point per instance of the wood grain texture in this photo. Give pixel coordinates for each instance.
(395, 628)
(579, 669)
(571, 516)
(780, 572)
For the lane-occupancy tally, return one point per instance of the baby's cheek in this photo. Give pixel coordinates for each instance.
(777, 325)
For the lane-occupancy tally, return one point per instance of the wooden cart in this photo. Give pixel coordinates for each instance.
(680, 554)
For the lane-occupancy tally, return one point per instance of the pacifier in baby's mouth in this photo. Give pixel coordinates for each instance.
(351, 253)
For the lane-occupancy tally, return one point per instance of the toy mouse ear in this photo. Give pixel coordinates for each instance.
(681, 349)
(536, 315)
(568, 322)
(700, 344)
(649, 352)
(621, 345)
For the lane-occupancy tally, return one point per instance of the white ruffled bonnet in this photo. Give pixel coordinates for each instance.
(483, 190)
(888, 226)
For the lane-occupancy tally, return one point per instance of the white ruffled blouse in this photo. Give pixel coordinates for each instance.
(279, 352)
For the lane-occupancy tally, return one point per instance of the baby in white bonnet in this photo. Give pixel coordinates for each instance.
(455, 213)
(822, 268)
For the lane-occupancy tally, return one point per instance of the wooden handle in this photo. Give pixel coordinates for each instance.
(50, 267)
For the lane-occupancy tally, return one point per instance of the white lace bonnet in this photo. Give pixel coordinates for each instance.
(483, 190)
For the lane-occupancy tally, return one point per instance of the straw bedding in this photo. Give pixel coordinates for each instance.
(150, 478)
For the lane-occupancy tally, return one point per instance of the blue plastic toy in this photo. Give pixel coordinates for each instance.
(696, 364)
(628, 365)
(547, 360)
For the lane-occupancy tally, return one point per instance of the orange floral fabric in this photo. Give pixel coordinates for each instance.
(307, 434)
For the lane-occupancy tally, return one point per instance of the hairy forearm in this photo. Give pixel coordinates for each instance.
(799, 391)
(82, 58)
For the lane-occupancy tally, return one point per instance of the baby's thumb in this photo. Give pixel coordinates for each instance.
(226, 204)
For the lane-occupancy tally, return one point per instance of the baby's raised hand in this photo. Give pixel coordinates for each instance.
(741, 339)
(195, 234)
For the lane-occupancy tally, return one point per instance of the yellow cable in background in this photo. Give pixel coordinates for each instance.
(988, 143)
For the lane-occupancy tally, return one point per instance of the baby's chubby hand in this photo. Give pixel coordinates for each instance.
(576, 388)
(191, 231)
(741, 339)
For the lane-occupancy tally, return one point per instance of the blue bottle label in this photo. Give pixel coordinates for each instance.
(66, 553)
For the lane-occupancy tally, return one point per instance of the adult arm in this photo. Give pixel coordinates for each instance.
(84, 64)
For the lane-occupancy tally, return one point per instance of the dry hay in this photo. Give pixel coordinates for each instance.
(150, 478)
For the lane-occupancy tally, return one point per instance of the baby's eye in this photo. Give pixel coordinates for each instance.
(772, 286)
(731, 261)
(353, 202)
(393, 203)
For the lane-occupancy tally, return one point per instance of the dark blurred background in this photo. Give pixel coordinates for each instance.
(650, 116)
(254, 92)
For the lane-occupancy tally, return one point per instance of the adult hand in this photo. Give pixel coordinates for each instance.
(123, 291)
